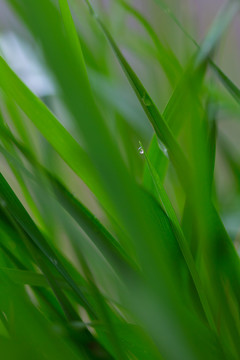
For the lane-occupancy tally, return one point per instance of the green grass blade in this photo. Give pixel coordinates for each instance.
(16, 209)
(28, 326)
(166, 57)
(158, 123)
(100, 236)
(220, 24)
(164, 200)
(226, 81)
(47, 124)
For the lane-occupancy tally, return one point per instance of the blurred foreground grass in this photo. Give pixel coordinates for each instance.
(119, 185)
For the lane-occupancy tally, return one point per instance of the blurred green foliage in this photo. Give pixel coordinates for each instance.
(119, 186)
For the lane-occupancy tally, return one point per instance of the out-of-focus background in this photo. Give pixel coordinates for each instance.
(196, 16)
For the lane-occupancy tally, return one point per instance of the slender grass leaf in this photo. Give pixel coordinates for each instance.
(16, 209)
(228, 83)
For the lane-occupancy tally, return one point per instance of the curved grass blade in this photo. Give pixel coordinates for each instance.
(160, 219)
(104, 311)
(100, 236)
(25, 277)
(164, 200)
(226, 81)
(29, 329)
(221, 22)
(20, 179)
(67, 307)
(17, 211)
(47, 124)
(69, 311)
(184, 351)
(178, 158)
(229, 85)
(166, 57)
(178, 99)
(212, 138)
(158, 123)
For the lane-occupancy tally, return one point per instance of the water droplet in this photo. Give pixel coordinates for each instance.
(146, 100)
(163, 148)
(165, 151)
(141, 151)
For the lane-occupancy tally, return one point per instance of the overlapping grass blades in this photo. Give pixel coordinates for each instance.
(124, 274)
